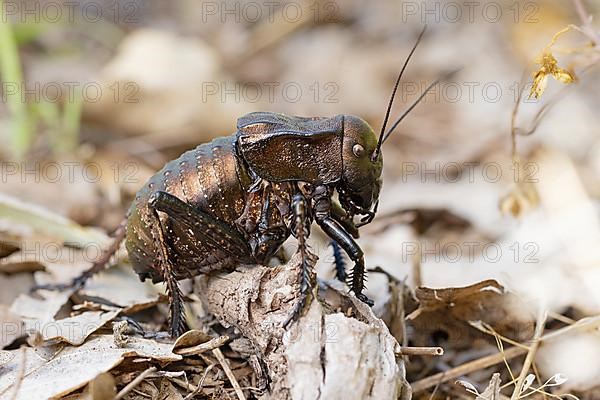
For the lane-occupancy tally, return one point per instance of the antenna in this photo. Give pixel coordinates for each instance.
(389, 108)
(413, 105)
(405, 113)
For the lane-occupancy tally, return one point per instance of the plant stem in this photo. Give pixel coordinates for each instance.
(12, 77)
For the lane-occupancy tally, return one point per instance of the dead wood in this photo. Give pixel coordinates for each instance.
(337, 348)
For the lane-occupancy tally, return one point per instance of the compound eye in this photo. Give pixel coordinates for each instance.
(358, 150)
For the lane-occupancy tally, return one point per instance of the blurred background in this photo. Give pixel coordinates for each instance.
(98, 95)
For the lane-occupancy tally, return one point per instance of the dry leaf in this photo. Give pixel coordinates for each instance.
(492, 391)
(74, 367)
(6, 249)
(10, 370)
(459, 300)
(13, 286)
(453, 310)
(74, 330)
(122, 287)
(42, 220)
(103, 387)
(11, 268)
(43, 308)
(191, 338)
(168, 391)
(39, 318)
(12, 326)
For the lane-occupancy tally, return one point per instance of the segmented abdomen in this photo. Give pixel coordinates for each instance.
(210, 178)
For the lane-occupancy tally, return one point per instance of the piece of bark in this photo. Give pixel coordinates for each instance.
(337, 348)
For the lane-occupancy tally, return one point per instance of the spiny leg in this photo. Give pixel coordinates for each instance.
(339, 262)
(336, 232)
(205, 227)
(342, 217)
(78, 282)
(357, 277)
(177, 312)
(301, 230)
(339, 214)
(211, 232)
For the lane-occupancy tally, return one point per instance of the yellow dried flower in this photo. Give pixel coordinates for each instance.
(520, 201)
(548, 66)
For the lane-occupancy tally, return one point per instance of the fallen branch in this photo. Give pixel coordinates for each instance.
(466, 368)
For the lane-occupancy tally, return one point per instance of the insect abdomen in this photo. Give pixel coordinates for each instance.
(209, 178)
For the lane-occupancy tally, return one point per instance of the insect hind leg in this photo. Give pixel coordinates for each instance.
(176, 303)
(219, 240)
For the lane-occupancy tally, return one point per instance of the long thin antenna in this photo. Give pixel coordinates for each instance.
(389, 108)
(405, 113)
(414, 104)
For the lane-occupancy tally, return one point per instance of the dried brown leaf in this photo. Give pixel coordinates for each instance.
(122, 287)
(74, 367)
(465, 301)
(6, 249)
(452, 310)
(103, 387)
(492, 391)
(19, 267)
(74, 330)
(191, 338)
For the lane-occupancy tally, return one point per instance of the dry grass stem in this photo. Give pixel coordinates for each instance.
(487, 361)
(236, 386)
(539, 330)
(135, 382)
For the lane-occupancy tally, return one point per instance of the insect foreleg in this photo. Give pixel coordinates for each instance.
(301, 230)
(339, 262)
(338, 213)
(337, 233)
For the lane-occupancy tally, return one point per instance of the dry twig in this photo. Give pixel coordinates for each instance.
(200, 384)
(236, 386)
(135, 382)
(488, 361)
(466, 368)
(203, 347)
(539, 330)
(421, 351)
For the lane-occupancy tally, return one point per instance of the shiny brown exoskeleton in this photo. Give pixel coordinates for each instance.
(236, 199)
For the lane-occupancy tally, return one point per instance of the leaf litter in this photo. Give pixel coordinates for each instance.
(484, 318)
